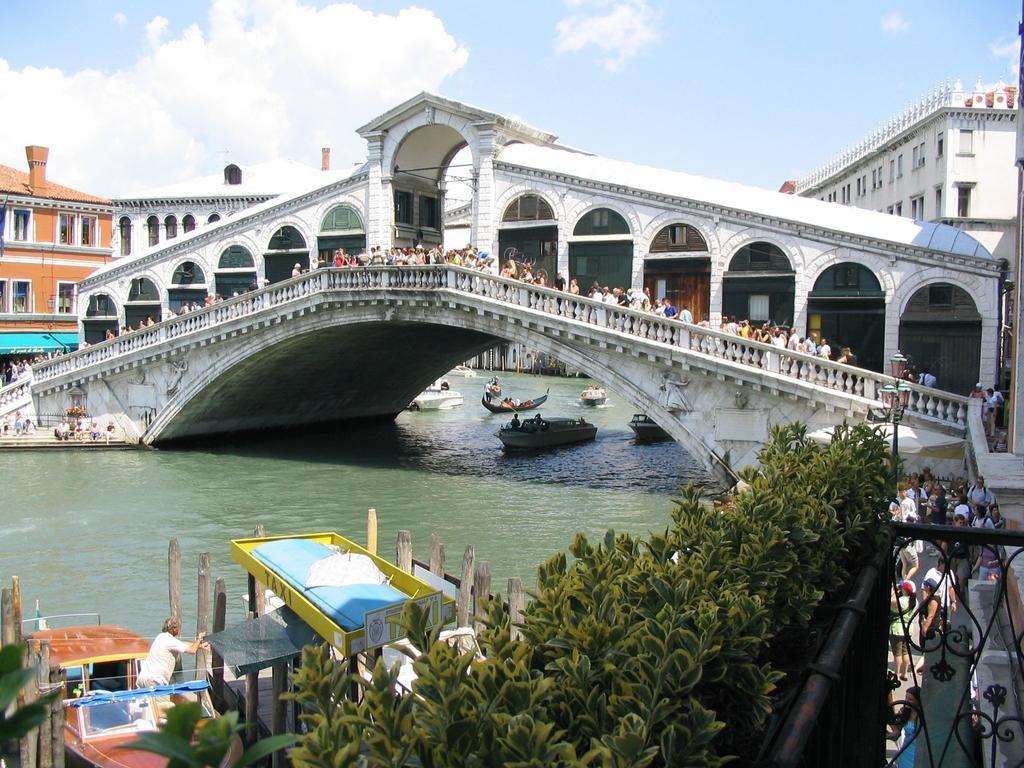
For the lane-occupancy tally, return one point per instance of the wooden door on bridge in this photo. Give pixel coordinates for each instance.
(685, 282)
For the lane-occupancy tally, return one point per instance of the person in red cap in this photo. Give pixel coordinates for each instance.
(900, 609)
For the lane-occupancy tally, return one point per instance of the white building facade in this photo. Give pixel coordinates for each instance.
(867, 279)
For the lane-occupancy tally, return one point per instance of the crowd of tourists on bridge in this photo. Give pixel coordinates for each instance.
(416, 256)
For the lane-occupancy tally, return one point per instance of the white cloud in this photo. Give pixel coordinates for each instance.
(120, 19)
(621, 30)
(265, 79)
(1009, 51)
(893, 23)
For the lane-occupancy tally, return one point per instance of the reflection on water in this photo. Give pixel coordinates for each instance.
(89, 531)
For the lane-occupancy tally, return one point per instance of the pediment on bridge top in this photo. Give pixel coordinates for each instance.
(430, 109)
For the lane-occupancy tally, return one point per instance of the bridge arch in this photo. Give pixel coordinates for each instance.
(682, 274)
(759, 283)
(602, 247)
(144, 302)
(101, 316)
(847, 306)
(235, 270)
(528, 222)
(187, 285)
(285, 247)
(340, 223)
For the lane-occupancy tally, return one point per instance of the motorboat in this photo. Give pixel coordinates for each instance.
(403, 654)
(439, 396)
(539, 432)
(593, 395)
(104, 711)
(464, 371)
(511, 405)
(646, 429)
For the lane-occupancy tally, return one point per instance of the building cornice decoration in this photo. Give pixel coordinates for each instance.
(225, 229)
(160, 204)
(884, 248)
(30, 201)
(943, 100)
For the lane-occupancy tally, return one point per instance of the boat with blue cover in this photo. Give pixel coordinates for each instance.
(344, 592)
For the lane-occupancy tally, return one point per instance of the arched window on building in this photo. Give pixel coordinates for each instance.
(232, 174)
(188, 285)
(100, 317)
(596, 256)
(287, 248)
(153, 228)
(124, 227)
(143, 303)
(760, 285)
(213, 217)
(188, 223)
(847, 307)
(678, 268)
(170, 227)
(236, 272)
(342, 227)
(529, 233)
(940, 330)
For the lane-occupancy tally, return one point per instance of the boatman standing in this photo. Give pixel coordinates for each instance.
(158, 667)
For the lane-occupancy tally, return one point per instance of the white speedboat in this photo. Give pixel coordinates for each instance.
(464, 371)
(437, 397)
(593, 395)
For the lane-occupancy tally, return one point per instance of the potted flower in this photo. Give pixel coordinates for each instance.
(76, 412)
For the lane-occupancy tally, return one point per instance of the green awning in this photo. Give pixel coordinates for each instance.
(34, 343)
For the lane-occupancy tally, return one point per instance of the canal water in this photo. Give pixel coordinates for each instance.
(88, 531)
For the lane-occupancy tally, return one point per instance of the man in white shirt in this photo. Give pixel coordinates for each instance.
(927, 378)
(158, 667)
(979, 495)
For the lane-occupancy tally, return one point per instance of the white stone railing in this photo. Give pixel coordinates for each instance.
(17, 394)
(824, 374)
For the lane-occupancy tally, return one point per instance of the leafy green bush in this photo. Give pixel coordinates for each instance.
(635, 652)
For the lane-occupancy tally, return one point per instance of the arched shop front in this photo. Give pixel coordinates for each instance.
(601, 250)
(287, 248)
(143, 303)
(342, 227)
(236, 272)
(188, 285)
(100, 317)
(847, 307)
(940, 330)
(678, 268)
(529, 233)
(760, 285)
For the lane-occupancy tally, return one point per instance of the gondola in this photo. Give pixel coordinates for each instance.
(512, 406)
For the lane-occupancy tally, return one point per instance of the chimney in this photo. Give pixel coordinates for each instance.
(325, 159)
(36, 166)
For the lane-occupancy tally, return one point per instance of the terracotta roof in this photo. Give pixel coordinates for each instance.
(788, 187)
(15, 182)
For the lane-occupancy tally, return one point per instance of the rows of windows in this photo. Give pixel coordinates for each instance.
(16, 297)
(153, 227)
(72, 228)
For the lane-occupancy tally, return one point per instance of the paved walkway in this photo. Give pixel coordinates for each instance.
(43, 440)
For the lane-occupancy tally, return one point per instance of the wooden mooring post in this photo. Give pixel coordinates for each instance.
(6, 617)
(371, 531)
(202, 613)
(462, 603)
(174, 578)
(44, 750)
(220, 617)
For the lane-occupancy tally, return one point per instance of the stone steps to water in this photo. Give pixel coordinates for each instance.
(45, 441)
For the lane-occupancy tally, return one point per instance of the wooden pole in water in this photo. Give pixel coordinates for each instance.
(279, 718)
(6, 617)
(174, 578)
(436, 555)
(403, 551)
(516, 604)
(27, 696)
(203, 613)
(56, 722)
(481, 590)
(45, 734)
(16, 602)
(462, 604)
(260, 606)
(220, 615)
(252, 701)
(371, 530)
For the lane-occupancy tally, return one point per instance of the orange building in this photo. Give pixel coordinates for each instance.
(51, 237)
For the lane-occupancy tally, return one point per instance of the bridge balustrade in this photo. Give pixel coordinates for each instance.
(933, 404)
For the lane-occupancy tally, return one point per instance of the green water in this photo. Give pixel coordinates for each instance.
(89, 531)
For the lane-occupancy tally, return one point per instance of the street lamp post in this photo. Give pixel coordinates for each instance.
(895, 397)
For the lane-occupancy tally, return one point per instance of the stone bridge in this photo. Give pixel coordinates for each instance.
(337, 345)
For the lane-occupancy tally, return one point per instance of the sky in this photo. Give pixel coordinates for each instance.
(135, 94)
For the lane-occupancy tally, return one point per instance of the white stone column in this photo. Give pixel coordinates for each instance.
(637, 271)
(378, 218)
(482, 230)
